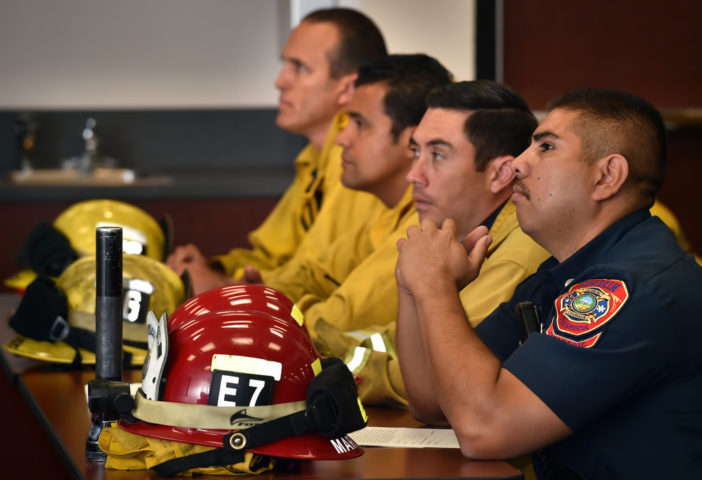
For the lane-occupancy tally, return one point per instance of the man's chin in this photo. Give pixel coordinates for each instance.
(349, 182)
(424, 215)
(286, 123)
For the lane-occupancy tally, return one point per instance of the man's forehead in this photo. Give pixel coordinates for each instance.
(440, 123)
(370, 95)
(311, 40)
(559, 122)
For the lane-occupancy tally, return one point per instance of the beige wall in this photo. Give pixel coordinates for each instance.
(444, 29)
(86, 54)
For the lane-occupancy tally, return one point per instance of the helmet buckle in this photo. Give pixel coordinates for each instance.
(237, 441)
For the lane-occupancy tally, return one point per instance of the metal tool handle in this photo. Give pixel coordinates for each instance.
(108, 304)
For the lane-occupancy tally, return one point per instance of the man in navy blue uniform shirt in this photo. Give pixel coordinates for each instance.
(610, 383)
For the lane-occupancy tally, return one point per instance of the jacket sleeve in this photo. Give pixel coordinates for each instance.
(282, 238)
(275, 241)
(368, 295)
(517, 257)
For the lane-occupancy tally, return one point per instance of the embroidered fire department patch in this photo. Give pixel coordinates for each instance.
(587, 343)
(585, 308)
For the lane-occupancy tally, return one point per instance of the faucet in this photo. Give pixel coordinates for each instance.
(90, 158)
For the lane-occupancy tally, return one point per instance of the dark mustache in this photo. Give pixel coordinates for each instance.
(522, 188)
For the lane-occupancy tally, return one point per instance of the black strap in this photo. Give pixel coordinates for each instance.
(166, 224)
(211, 458)
(333, 410)
(47, 251)
(526, 316)
(268, 432)
(42, 313)
(332, 401)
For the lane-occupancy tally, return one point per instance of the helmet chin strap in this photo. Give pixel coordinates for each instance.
(333, 409)
(43, 315)
(211, 458)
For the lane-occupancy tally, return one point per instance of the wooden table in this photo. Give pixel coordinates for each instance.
(58, 400)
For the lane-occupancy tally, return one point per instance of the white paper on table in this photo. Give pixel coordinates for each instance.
(405, 437)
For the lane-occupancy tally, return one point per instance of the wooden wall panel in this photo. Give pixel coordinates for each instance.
(213, 224)
(647, 47)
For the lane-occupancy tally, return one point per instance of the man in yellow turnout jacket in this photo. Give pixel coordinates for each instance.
(320, 60)
(350, 284)
(463, 149)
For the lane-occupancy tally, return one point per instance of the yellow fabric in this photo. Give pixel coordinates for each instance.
(512, 256)
(379, 373)
(298, 222)
(21, 280)
(127, 451)
(664, 213)
(351, 284)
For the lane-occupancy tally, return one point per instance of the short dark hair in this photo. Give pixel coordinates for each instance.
(499, 121)
(408, 79)
(612, 121)
(360, 40)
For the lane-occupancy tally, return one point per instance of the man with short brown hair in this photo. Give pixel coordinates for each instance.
(605, 381)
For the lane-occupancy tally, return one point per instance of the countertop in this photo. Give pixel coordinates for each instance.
(193, 183)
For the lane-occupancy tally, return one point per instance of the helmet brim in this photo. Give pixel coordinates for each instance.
(311, 446)
(62, 353)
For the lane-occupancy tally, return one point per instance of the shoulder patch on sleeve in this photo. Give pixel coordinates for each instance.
(585, 308)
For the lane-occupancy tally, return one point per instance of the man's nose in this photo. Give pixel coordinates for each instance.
(417, 174)
(520, 165)
(282, 79)
(342, 138)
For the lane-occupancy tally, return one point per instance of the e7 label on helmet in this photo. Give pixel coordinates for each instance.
(234, 389)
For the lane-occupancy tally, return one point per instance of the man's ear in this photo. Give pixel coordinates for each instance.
(611, 173)
(405, 135)
(346, 88)
(500, 173)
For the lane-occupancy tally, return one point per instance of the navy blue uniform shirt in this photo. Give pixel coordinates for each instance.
(618, 358)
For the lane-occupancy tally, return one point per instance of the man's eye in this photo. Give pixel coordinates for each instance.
(545, 146)
(415, 152)
(436, 156)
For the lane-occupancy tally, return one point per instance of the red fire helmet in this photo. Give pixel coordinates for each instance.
(251, 354)
(245, 297)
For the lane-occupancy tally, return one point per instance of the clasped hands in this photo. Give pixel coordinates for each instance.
(202, 276)
(433, 258)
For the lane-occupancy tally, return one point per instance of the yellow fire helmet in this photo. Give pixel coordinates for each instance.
(148, 285)
(141, 235)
